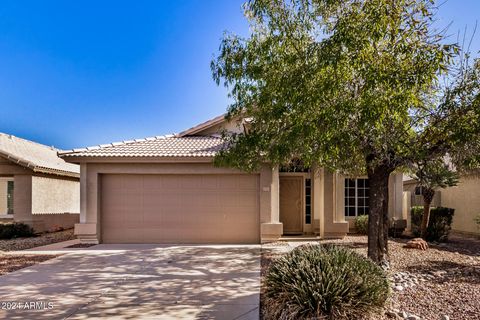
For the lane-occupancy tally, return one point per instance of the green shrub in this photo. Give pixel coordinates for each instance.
(324, 282)
(416, 213)
(361, 224)
(15, 230)
(439, 225)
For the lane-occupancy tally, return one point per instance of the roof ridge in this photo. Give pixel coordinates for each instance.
(116, 144)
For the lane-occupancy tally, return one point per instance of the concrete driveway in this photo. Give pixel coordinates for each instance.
(138, 281)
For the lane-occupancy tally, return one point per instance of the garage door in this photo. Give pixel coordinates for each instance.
(180, 209)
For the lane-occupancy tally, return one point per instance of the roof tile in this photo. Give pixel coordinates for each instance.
(160, 146)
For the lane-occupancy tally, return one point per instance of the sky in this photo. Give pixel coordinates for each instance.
(83, 73)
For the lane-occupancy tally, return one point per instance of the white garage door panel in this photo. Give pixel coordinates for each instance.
(180, 209)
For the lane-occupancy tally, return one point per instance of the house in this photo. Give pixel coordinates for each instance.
(36, 186)
(165, 189)
(464, 198)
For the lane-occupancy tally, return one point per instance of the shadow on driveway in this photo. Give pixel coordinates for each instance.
(141, 281)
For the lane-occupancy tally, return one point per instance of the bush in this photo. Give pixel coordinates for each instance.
(324, 282)
(439, 225)
(15, 230)
(361, 224)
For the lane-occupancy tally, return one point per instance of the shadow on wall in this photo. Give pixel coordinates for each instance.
(168, 282)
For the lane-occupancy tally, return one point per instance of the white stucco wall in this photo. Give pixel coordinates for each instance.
(50, 195)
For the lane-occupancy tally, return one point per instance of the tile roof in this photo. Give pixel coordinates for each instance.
(38, 157)
(160, 146)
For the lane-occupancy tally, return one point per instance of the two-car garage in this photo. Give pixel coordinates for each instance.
(179, 208)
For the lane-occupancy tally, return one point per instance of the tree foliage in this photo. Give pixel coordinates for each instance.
(349, 85)
(433, 174)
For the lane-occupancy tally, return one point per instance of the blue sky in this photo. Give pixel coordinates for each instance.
(80, 73)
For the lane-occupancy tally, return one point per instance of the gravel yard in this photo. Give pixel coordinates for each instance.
(441, 281)
(12, 262)
(41, 240)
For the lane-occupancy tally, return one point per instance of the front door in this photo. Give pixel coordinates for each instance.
(291, 204)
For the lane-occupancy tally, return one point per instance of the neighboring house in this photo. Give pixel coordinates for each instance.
(36, 186)
(464, 198)
(166, 190)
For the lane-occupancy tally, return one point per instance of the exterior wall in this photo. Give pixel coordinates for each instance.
(55, 195)
(88, 230)
(417, 200)
(54, 222)
(232, 126)
(465, 199)
(35, 195)
(24, 202)
(407, 205)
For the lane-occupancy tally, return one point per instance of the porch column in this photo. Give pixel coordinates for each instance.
(270, 226)
(395, 201)
(334, 217)
(318, 202)
(88, 230)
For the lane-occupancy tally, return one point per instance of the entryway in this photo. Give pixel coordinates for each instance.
(295, 203)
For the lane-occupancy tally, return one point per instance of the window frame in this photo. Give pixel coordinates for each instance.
(10, 196)
(308, 204)
(361, 200)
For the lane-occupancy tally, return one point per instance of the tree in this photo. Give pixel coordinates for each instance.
(432, 175)
(350, 85)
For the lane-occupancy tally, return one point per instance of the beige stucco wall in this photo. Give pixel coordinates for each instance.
(234, 126)
(35, 193)
(417, 200)
(23, 200)
(55, 195)
(465, 199)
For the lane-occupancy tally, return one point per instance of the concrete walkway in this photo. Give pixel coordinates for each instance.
(139, 282)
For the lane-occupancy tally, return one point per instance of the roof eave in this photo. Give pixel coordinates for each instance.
(202, 126)
(78, 159)
(29, 165)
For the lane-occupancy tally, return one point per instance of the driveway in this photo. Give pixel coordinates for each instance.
(139, 281)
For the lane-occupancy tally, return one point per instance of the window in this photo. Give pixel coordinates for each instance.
(9, 197)
(308, 201)
(357, 194)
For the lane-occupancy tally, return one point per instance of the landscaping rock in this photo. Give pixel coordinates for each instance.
(417, 243)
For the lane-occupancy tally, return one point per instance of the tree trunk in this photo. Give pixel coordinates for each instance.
(427, 201)
(378, 213)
